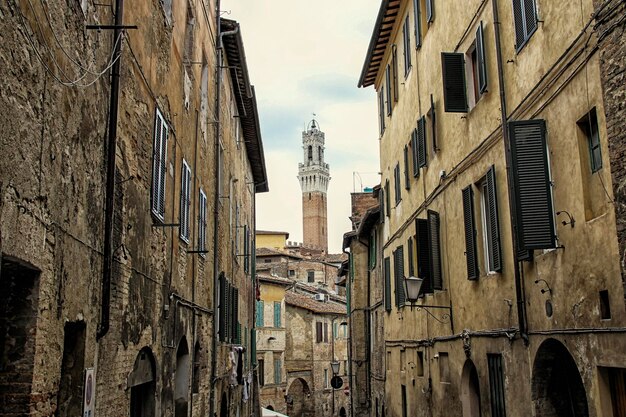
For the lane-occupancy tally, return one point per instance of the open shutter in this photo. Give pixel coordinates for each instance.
(222, 308)
(421, 142)
(387, 199)
(495, 256)
(430, 10)
(399, 276)
(423, 255)
(454, 89)
(482, 61)
(471, 256)
(156, 164)
(394, 67)
(235, 321)
(407, 167)
(410, 257)
(227, 310)
(318, 332)
(387, 271)
(418, 23)
(532, 186)
(388, 88)
(396, 183)
(381, 110)
(435, 249)
(414, 146)
(433, 123)
(518, 17)
(530, 17)
(259, 313)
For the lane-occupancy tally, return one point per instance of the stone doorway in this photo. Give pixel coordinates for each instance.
(299, 400)
(142, 383)
(557, 387)
(470, 390)
(181, 379)
(19, 289)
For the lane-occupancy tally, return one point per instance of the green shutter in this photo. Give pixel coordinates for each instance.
(422, 152)
(398, 273)
(532, 185)
(407, 183)
(418, 23)
(277, 322)
(471, 255)
(259, 314)
(415, 146)
(454, 89)
(482, 60)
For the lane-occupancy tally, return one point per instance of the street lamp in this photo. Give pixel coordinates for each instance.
(335, 367)
(412, 288)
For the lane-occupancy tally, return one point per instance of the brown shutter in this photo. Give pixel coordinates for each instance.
(387, 268)
(454, 89)
(435, 249)
(422, 152)
(495, 257)
(471, 256)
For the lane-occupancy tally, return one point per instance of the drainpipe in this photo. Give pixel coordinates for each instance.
(216, 201)
(519, 288)
(107, 267)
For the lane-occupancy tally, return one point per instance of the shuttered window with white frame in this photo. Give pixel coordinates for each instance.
(159, 162)
(185, 199)
(202, 223)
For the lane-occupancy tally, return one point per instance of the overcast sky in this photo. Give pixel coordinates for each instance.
(305, 57)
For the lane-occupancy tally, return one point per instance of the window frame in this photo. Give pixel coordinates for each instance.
(159, 165)
(185, 202)
(524, 21)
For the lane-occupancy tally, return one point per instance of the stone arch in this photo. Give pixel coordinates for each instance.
(342, 412)
(142, 383)
(181, 379)
(470, 390)
(299, 399)
(557, 388)
(270, 407)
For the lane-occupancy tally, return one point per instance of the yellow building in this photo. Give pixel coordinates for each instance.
(272, 240)
(497, 194)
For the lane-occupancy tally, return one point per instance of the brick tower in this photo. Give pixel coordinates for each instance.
(313, 174)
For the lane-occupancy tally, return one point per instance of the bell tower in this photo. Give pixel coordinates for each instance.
(314, 177)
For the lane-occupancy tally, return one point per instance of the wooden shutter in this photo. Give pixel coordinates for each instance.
(407, 183)
(422, 152)
(235, 320)
(159, 159)
(387, 199)
(518, 18)
(202, 222)
(227, 311)
(481, 57)
(394, 68)
(530, 17)
(532, 186)
(260, 314)
(423, 255)
(410, 257)
(435, 249)
(184, 202)
(325, 332)
(415, 146)
(433, 123)
(471, 256)
(418, 23)
(381, 110)
(318, 332)
(277, 321)
(387, 267)
(454, 89)
(430, 11)
(388, 88)
(407, 46)
(398, 273)
(493, 224)
(497, 387)
(397, 186)
(246, 244)
(222, 307)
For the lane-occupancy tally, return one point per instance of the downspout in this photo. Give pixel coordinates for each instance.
(519, 288)
(350, 386)
(368, 330)
(216, 201)
(193, 259)
(105, 310)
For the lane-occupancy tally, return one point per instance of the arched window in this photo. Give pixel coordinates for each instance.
(310, 157)
(320, 152)
(181, 379)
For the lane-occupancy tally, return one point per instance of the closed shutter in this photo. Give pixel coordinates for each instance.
(388, 88)
(326, 332)
(481, 57)
(277, 321)
(387, 267)
(184, 201)
(202, 222)
(433, 123)
(415, 146)
(532, 186)
(430, 10)
(435, 249)
(318, 332)
(222, 307)
(421, 143)
(382, 194)
(227, 311)
(495, 255)
(387, 199)
(418, 23)
(259, 314)
(399, 276)
(410, 257)
(397, 186)
(381, 110)
(394, 67)
(454, 89)
(497, 386)
(235, 321)
(423, 255)
(471, 256)
(407, 45)
(246, 249)
(407, 183)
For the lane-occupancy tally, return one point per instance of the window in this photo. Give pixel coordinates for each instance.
(532, 185)
(419, 365)
(372, 250)
(381, 111)
(476, 68)
(415, 147)
(404, 401)
(159, 160)
(259, 313)
(335, 326)
(310, 275)
(525, 17)
(185, 201)
(444, 367)
(387, 267)
(325, 378)
(407, 183)
(387, 199)
(310, 153)
(202, 223)
(319, 332)
(325, 332)
(432, 115)
(261, 371)
(410, 257)
(403, 360)
(277, 370)
(292, 272)
(394, 71)
(396, 183)
(406, 36)
(496, 385)
(429, 252)
(489, 227)
(422, 152)
(398, 274)
(388, 88)
(423, 13)
(454, 86)
(277, 318)
(589, 125)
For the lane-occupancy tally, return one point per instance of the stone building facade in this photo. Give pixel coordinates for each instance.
(314, 176)
(117, 282)
(498, 135)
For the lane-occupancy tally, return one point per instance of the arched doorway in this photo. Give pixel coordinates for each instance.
(181, 379)
(557, 388)
(269, 407)
(142, 383)
(470, 390)
(299, 401)
(223, 406)
(342, 412)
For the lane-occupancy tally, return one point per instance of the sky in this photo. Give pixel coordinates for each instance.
(305, 57)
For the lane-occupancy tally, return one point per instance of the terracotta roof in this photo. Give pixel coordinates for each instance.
(275, 252)
(246, 103)
(274, 279)
(308, 303)
(335, 257)
(387, 15)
